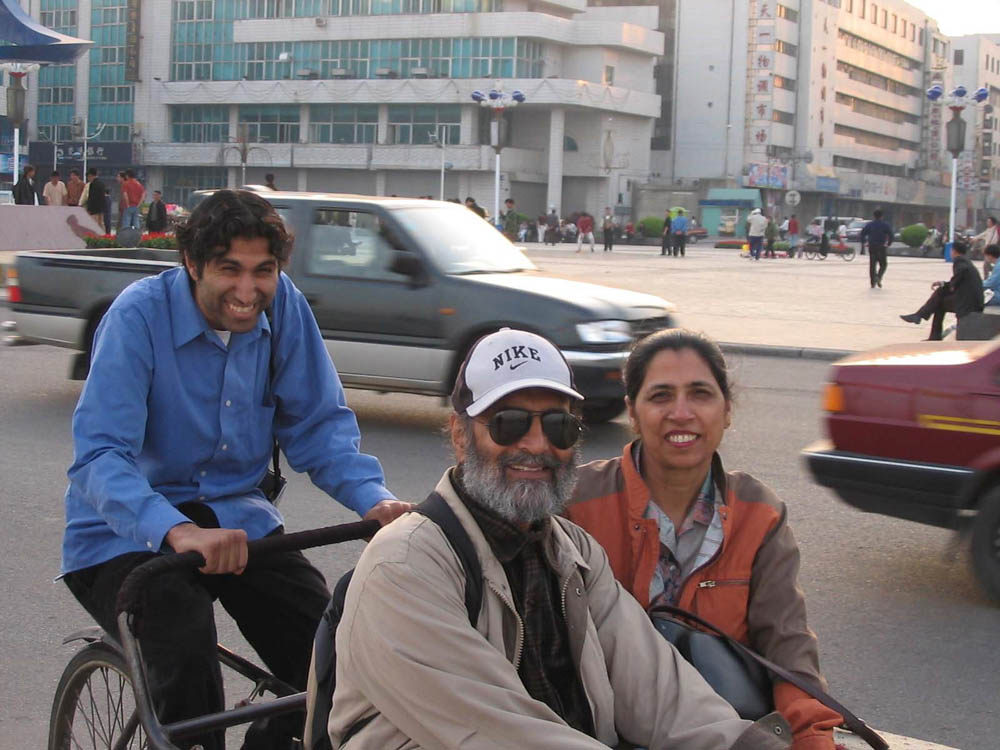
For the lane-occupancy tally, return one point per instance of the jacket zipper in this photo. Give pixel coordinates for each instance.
(731, 582)
(565, 588)
(519, 646)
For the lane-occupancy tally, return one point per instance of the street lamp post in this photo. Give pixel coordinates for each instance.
(497, 101)
(15, 113)
(441, 141)
(955, 130)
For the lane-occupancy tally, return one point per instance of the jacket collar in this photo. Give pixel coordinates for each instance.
(637, 492)
(186, 319)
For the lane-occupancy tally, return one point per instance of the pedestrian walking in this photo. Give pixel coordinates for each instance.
(551, 226)
(989, 237)
(667, 240)
(793, 235)
(756, 226)
(877, 234)
(679, 228)
(609, 225)
(269, 181)
(25, 191)
(510, 220)
(770, 237)
(54, 192)
(584, 231)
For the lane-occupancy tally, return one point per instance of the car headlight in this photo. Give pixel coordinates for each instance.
(604, 332)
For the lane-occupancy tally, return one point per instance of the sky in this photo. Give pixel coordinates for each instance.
(960, 17)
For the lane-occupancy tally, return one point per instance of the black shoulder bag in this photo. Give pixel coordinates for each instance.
(738, 673)
(273, 484)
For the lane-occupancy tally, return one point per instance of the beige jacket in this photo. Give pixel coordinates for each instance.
(406, 654)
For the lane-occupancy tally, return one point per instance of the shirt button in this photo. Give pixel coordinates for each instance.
(228, 402)
(225, 447)
(203, 472)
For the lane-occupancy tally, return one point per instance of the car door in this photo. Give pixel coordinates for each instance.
(382, 329)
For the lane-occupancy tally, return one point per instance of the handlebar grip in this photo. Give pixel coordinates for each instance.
(139, 578)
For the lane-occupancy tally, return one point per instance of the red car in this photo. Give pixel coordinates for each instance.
(914, 432)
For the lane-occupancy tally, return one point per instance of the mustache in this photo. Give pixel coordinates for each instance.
(523, 458)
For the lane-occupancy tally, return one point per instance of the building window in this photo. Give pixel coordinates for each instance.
(960, 57)
(343, 123)
(874, 50)
(409, 7)
(415, 123)
(115, 94)
(876, 80)
(199, 123)
(885, 19)
(609, 75)
(786, 118)
(269, 123)
(874, 15)
(786, 48)
(180, 182)
(850, 6)
(58, 20)
(191, 10)
(871, 109)
(787, 13)
(55, 95)
(780, 82)
(895, 24)
(861, 8)
(878, 140)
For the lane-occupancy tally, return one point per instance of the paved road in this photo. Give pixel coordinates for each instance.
(826, 304)
(906, 638)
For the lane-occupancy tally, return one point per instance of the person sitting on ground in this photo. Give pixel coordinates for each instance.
(961, 294)
(723, 549)
(561, 656)
(195, 374)
(992, 280)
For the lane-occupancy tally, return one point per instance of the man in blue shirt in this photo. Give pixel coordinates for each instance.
(877, 235)
(679, 228)
(190, 383)
(992, 281)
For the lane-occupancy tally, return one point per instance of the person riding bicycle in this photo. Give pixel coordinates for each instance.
(560, 655)
(195, 373)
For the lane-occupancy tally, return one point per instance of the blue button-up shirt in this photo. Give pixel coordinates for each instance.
(170, 414)
(680, 224)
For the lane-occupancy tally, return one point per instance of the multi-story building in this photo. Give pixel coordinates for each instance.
(350, 95)
(826, 97)
(975, 63)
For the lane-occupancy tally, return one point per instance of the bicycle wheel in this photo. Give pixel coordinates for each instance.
(94, 707)
(848, 254)
(810, 254)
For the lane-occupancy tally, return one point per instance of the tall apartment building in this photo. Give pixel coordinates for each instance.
(345, 95)
(826, 97)
(976, 62)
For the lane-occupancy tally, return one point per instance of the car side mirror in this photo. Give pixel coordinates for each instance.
(407, 264)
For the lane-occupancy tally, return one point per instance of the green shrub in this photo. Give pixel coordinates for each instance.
(651, 226)
(780, 245)
(733, 244)
(914, 235)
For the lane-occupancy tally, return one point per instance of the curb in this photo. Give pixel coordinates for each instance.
(787, 352)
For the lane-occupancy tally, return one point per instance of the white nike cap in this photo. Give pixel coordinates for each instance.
(508, 361)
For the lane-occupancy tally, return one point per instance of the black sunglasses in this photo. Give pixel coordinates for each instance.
(507, 426)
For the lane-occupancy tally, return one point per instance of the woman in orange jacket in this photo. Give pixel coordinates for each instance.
(680, 530)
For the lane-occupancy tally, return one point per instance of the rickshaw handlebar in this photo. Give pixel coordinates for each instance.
(136, 582)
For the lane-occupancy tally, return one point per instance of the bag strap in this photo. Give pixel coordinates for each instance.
(436, 508)
(851, 721)
(276, 450)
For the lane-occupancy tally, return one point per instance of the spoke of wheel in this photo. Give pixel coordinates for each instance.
(109, 727)
(95, 719)
(119, 718)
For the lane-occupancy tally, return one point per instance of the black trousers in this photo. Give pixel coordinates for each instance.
(679, 241)
(609, 240)
(276, 603)
(940, 302)
(877, 257)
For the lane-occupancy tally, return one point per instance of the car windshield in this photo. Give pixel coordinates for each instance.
(857, 225)
(459, 241)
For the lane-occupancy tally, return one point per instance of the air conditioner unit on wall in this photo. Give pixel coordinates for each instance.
(341, 73)
(386, 73)
(420, 72)
(320, 20)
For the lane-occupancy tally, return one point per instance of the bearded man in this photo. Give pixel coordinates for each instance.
(560, 656)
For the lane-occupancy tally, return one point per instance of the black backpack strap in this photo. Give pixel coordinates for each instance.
(436, 508)
(852, 722)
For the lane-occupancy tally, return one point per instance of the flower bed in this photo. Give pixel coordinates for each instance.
(158, 240)
(731, 244)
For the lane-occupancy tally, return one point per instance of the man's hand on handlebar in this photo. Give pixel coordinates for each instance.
(224, 550)
(387, 511)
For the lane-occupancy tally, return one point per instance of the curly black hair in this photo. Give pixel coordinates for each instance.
(227, 214)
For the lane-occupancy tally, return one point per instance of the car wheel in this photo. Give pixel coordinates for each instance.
(986, 543)
(599, 412)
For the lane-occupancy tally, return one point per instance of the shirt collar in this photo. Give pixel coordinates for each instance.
(637, 493)
(186, 319)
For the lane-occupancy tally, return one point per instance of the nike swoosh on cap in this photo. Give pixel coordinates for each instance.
(515, 365)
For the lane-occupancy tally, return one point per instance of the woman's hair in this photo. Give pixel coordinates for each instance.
(675, 340)
(225, 215)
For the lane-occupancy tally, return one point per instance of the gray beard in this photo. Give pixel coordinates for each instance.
(523, 500)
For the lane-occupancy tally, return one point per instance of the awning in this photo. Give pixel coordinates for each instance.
(24, 40)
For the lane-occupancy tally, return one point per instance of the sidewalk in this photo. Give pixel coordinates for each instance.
(817, 309)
